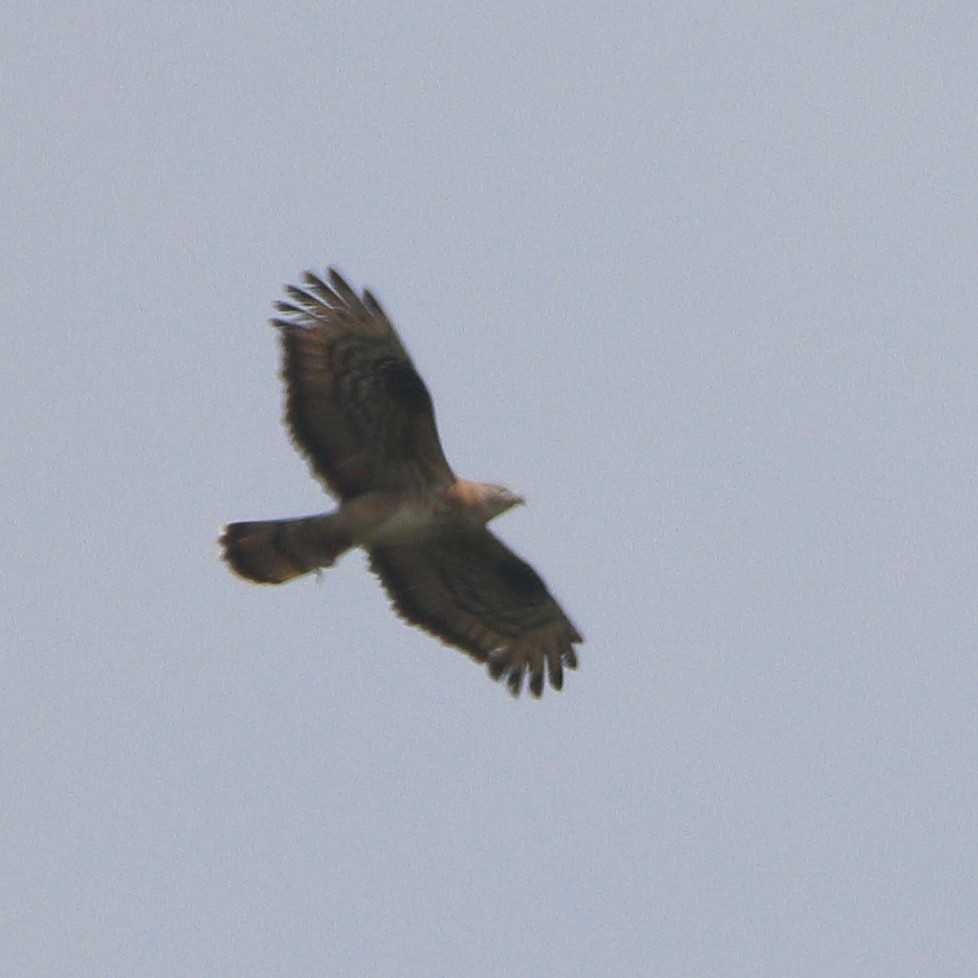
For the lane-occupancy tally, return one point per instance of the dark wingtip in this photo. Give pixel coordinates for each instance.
(313, 280)
(552, 673)
(555, 671)
(373, 306)
(496, 661)
(339, 284)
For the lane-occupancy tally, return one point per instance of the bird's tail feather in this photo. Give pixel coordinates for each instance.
(275, 551)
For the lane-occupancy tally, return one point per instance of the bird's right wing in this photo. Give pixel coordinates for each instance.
(355, 405)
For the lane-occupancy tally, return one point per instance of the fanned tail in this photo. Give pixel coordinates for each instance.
(275, 551)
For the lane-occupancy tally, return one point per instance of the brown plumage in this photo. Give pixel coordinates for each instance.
(362, 416)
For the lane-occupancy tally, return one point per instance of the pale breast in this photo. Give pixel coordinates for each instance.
(410, 521)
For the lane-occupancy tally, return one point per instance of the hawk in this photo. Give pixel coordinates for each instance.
(362, 416)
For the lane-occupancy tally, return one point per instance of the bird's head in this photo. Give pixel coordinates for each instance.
(482, 501)
(497, 499)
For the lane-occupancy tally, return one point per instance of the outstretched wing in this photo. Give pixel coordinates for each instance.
(356, 407)
(470, 590)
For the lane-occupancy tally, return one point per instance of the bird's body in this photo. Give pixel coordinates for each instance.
(362, 415)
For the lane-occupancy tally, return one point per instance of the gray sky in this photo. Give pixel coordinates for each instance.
(699, 282)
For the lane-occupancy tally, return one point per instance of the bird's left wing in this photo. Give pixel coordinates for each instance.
(471, 591)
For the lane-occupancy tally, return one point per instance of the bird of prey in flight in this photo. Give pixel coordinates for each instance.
(362, 416)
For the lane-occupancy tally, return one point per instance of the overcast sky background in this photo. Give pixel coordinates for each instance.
(699, 281)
